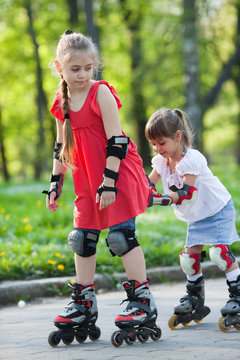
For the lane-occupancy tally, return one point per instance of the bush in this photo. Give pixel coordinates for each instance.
(33, 241)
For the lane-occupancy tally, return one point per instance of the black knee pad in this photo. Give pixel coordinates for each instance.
(121, 241)
(83, 242)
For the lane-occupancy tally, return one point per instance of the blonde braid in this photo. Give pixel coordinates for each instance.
(68, 136)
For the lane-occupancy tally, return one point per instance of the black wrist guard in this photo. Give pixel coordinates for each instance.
(58, 179)
(106, 188)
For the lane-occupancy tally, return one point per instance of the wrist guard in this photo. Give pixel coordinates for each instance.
(106, 188)
(112, 175)
(160, 199)
(187, 192)
(58, 179)
(118, 151)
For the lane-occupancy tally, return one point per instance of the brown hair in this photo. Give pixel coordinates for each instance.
(165, 123)
(68, 43)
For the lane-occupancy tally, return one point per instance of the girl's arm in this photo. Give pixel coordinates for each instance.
(154, 177)
(58, 168)
(112, 126)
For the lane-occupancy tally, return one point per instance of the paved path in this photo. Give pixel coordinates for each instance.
(24, 332)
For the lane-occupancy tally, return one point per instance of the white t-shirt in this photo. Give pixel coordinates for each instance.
(212, 196)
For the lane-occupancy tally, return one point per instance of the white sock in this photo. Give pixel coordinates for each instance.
(194, 277)
(233, 275)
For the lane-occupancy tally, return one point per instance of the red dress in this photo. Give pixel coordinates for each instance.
(90, 160)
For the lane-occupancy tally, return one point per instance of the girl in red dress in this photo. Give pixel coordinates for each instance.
(107, 175)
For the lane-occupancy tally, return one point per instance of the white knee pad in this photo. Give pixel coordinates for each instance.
(190, 263)
(222, 256)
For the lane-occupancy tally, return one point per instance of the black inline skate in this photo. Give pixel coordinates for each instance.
(231, 311)
(191, 306)
(138, 320)
(79, 318)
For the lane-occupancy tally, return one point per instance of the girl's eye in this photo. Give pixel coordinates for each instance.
(89, 68)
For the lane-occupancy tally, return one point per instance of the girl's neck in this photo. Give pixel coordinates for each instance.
(177, 156)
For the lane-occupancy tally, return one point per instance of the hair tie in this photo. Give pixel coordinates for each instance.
(66, 116)
(68, 32)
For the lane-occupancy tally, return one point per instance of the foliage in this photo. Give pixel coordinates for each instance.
(161, 68)
(33, 241)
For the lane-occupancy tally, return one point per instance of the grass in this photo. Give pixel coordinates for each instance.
(33, 241)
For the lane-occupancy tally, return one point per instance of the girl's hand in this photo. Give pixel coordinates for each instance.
(51, 203)
(107, 198)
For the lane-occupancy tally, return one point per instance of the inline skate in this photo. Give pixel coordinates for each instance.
(79, 318)
(191, 306)
(231, 311)
(138, 320)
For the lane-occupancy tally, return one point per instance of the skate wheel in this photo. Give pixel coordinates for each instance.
(116, 339)
(67, 340)
(96, 335)
(237, 326)
(198, 321)
(52, 338)
(157, 335)
(172, 322)
(222, 326)
(81, 336)
(186, 323)
(131, 339)
(142, 338)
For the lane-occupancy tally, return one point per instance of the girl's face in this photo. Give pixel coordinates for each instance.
(78, 71)
(168, 147)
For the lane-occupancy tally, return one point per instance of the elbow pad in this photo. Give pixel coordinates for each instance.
(186, 194)
(118, 151)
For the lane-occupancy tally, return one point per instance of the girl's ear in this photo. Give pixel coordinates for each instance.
(179, 135)
(58, 67)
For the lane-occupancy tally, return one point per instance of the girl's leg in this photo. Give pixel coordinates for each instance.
(191, 306)
(134, 264)
(85, 269)
(196, 249)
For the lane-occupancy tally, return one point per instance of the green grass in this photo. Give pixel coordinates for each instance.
(33, 241)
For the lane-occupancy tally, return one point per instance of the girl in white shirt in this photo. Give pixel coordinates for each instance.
(199, 198)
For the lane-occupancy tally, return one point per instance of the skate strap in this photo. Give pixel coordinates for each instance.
(139, 305)
(76, 306)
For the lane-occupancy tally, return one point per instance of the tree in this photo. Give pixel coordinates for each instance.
(191, 66)
(133, 17)
(40, 98)
(235, 74)
(92, 28)
(2, 151)
(197, 106)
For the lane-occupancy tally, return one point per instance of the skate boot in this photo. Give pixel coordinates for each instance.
(191, 306)
(231, 311)
(138, 320)
(79, 318)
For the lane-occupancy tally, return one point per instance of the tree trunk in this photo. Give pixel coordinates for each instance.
(92, 28)
(73, 12)
(133, 19)
(236, 79)
(6, 174)
(40, 99)
(191, 64)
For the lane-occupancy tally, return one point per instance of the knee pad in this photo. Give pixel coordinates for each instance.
(222, 256)
(121, 241)
(83, 242)
(190, 263)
